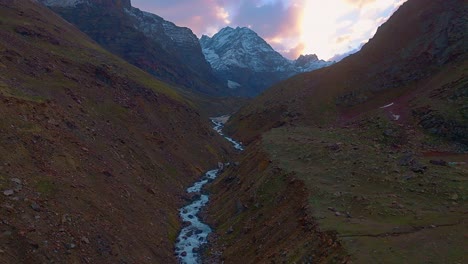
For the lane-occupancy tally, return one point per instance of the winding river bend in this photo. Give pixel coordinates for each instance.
(193, 236)
(218, 127)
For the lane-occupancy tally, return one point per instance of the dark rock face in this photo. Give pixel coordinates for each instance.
(303, 60)
(120, 4)
(180, 42)
(171, 53)
(440, 125)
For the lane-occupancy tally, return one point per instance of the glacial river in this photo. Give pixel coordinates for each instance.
(194, 235)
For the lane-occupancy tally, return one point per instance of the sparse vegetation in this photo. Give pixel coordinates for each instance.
(359, 188)
(361, 162)
(379, 141)
(95, 152)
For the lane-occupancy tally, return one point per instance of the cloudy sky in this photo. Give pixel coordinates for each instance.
(292, 27)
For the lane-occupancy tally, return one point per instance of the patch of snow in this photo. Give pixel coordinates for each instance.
(233, 84)
(385, 106)
(164, 32)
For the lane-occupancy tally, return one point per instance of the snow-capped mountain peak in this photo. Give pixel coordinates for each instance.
(169, 52)
(241, 56)
(243, 48)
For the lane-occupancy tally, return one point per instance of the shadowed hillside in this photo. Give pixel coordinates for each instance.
(169, 52)
(95, 153)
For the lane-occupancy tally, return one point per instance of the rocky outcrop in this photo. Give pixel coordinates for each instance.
(310, 62)
(442, 126)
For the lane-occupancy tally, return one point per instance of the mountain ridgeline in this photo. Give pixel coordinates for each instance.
(386, 67)
(233, 62)
(248, 64)
(171, 53)
(104, 127)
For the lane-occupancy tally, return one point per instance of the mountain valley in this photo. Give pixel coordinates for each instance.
(110, 152)
(95, 153)
(378, 141)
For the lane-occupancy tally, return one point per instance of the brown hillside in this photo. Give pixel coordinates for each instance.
(420, 40)
(372, 150)
(95, 154)
(261, 215)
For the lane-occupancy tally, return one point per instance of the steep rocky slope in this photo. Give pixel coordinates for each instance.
(376, 144)
(147, 41)
(95, 153)
(260, 214)
(248, 64)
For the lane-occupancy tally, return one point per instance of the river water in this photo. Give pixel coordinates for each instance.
(194, 235)
(218, 127)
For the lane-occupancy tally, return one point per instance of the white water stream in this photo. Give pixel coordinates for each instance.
(193, 236)
(218, 127)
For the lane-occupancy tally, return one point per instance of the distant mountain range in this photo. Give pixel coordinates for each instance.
(248, 64)
(233, 62)
(360, 161)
